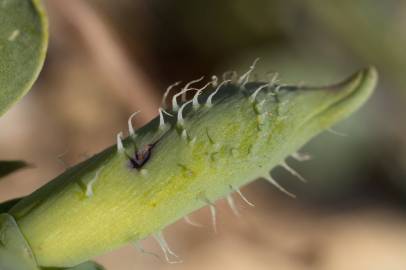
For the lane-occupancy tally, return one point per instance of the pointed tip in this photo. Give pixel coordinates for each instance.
(292, 171)
(120, 146)
(232, 205)
(131, 130)
(191, 222)
(371, 73)
(238, 191)
(301, 156)
(278, 186)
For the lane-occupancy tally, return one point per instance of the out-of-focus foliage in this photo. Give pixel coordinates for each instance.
(10, 166)
(23, 42)
(373, 30)
(310, 42)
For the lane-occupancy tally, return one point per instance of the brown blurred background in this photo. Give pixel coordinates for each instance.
(110, 58)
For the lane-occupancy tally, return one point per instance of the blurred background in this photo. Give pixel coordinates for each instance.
(109, 58)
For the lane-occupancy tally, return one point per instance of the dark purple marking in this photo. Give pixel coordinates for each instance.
(141, 156)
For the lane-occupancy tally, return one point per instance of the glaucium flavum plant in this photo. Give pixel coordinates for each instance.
(193, 153)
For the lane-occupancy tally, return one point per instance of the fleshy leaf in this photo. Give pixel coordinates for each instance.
(10, 166)
(15, 254)
(23, 43)
(83, 266)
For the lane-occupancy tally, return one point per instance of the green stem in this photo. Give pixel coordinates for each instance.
(213, 151)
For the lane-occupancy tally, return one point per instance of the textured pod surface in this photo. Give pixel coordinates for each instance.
(23, 44)
(201, 154)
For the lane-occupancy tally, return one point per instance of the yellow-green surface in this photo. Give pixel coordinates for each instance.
(236, 141)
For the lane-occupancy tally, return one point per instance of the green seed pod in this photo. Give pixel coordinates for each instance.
(209, 147)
